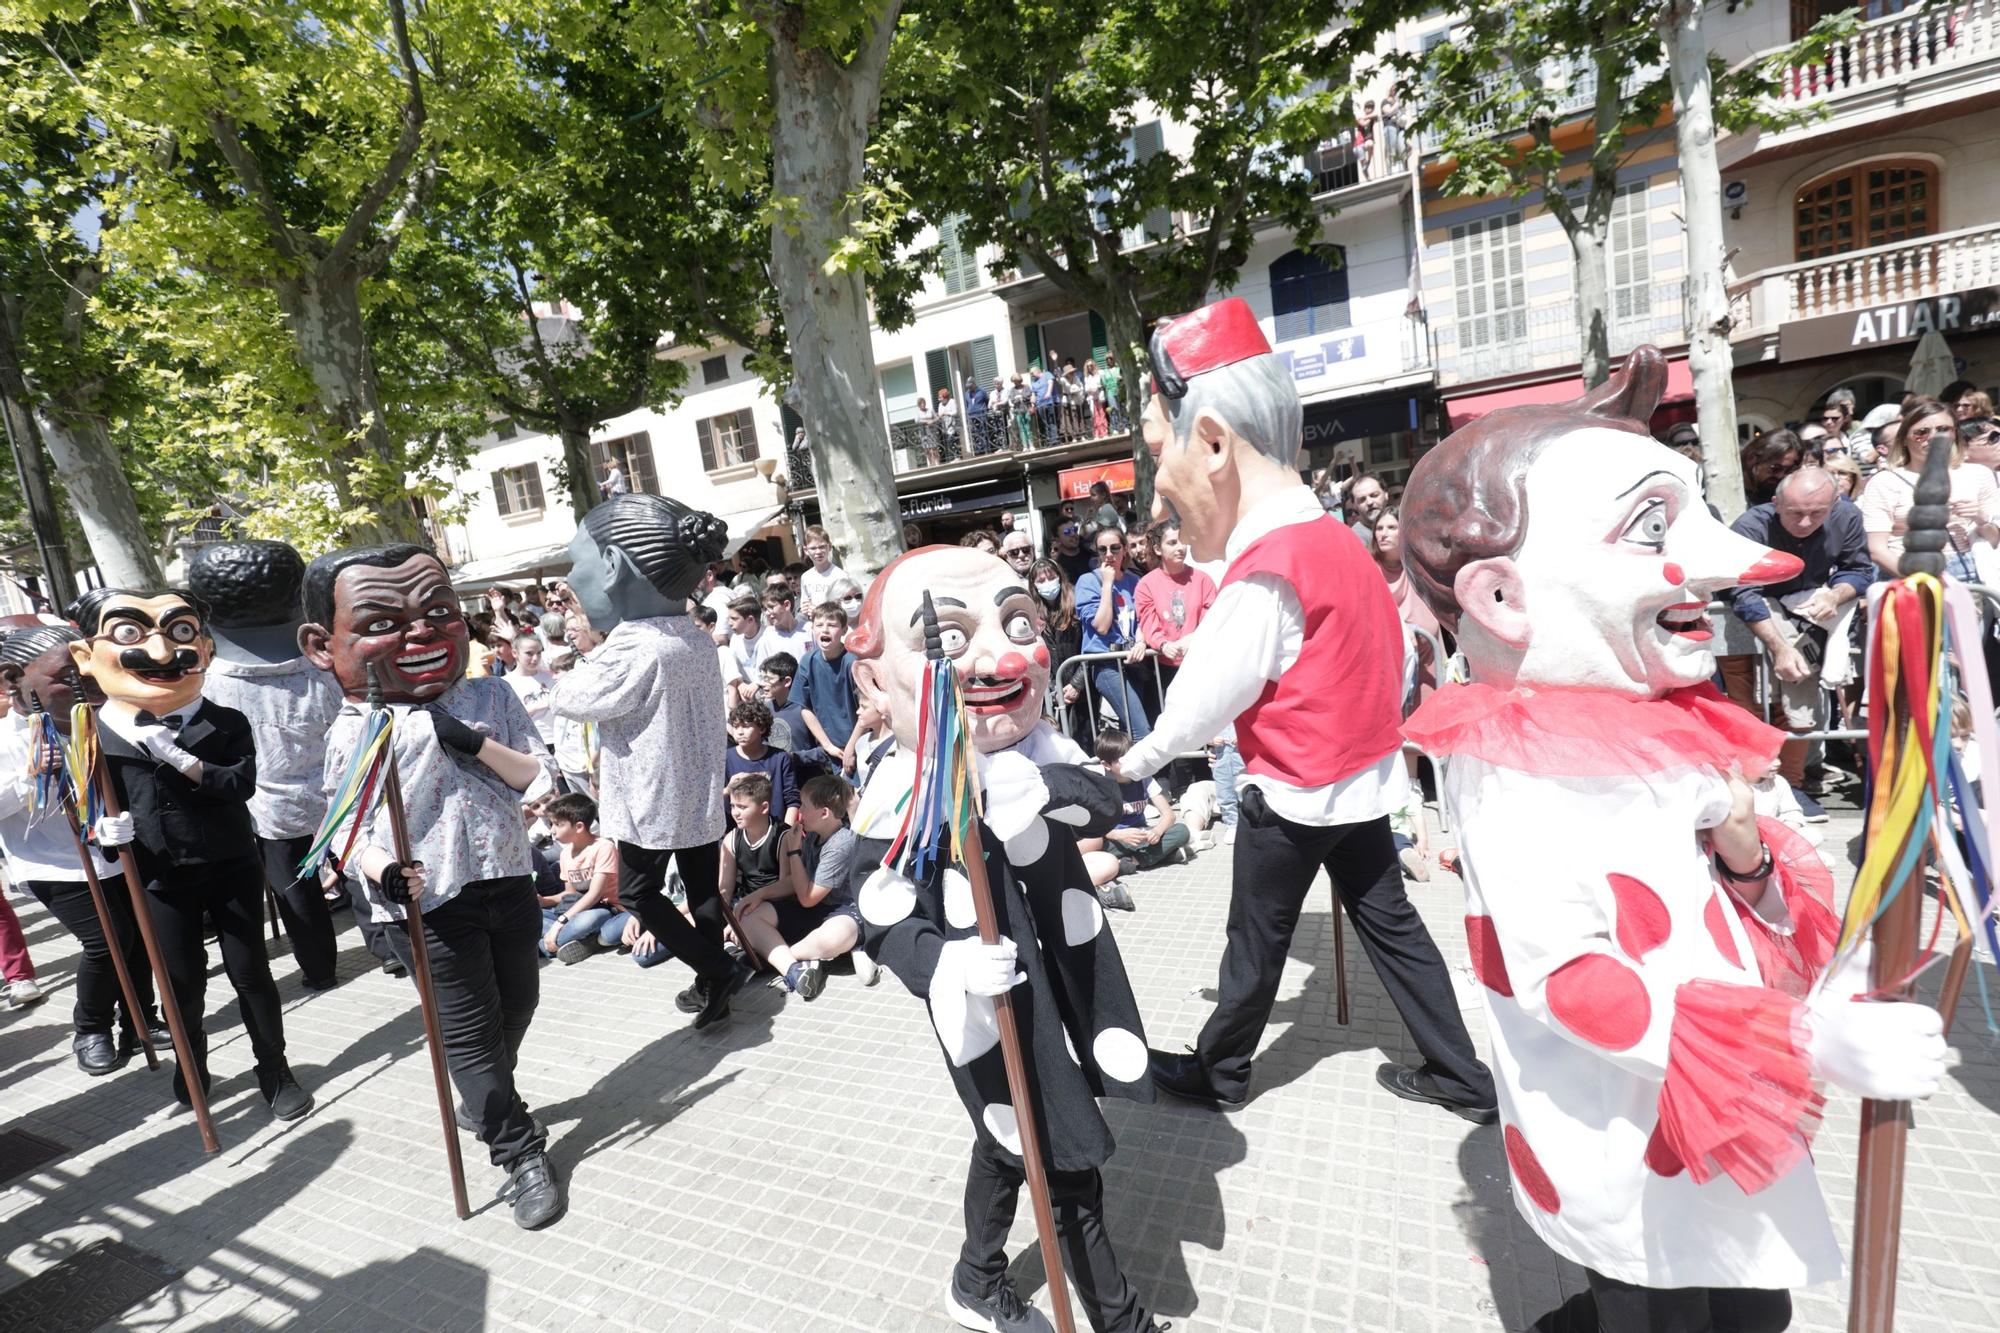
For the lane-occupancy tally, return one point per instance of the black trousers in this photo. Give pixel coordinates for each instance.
(302, 907)
(642, 885)
(98, 999)
(487, 979)
(374, 934)
(230, 894)
(1624, 1308)
(1275, 863)
(992, 1187)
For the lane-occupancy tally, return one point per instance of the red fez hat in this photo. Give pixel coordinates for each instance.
(1203, 340)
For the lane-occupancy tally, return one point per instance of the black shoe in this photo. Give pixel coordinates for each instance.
(394, 968)
(1183, 1076)
(95, 1055)
(694, 999)
(575, 952)
(812, 980)
(532, 1191)
(319, 985)
(1000, 1311)
(717, 1007)
(287, 1099)
(1415, 1085)
(180, 1085)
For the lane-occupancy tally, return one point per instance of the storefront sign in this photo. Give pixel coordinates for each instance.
(1976, 311)
(965, 501)
(1311, 365)
(1357, 419)
(1077, 481)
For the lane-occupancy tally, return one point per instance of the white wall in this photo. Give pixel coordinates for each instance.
(1378, 270)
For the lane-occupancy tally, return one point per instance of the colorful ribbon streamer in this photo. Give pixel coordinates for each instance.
(946, 799)
(356, 797)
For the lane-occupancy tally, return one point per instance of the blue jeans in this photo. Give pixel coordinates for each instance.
(1227, 766)
(1127, 692)
(599, 922)
(613, 934)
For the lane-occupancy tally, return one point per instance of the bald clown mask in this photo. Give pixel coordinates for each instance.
(1569, 550)
(389, 607)
(145, 652)
(988, 626)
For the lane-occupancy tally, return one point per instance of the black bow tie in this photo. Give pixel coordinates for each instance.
(172, 721)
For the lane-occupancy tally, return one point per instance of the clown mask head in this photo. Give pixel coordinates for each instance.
(988, 627)
(1569, 550)
(387, 607)
(144, 651)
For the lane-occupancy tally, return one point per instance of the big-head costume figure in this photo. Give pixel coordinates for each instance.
(184, 770)
(251, 590)
(40, 677)
(468, 756)
(1303, 651)
(651, 687)
(1079, 1025)
(1647, 945)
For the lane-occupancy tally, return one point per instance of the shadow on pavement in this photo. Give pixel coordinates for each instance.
(1533, 1289)
(1161, 1194)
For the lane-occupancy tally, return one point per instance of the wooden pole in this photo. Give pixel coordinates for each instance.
(420, 972)
(134, 1011)
(190, 1070)
(1017, 1089)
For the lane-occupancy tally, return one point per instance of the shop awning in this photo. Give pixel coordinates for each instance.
(1680, 389)
(550, 562)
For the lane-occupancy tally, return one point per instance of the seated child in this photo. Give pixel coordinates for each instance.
(775, 676)
(1148, 833)
(870, 742)
(581, 921)
(750, 728)
(813, 910)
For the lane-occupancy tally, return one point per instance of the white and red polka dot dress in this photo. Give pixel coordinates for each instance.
(1642, 1017)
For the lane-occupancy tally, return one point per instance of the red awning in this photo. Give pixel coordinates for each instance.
(1680, 390)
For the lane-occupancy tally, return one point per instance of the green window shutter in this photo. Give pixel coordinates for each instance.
(1100, 341)
(533, 472)
(1034, 335)
(501, 500)
(937, 368)
(985, 364)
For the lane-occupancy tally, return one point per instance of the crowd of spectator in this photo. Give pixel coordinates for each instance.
(1036, 410)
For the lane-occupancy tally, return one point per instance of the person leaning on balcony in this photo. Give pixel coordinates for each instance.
(927, 439)
(947, 424)
(1021, 399)
(1046, 397)
(1885, 505)
(1093, 392)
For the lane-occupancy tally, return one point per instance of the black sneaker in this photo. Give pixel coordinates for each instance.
(1415, 1085)
(95, 1055)
(812, 979)
(1000, 1311)
(694, 999)
(288, 1100)
(717, 1007)
(531, 1190)
(1814, 812)
(319, 985)
(574, 952)
(394, 968)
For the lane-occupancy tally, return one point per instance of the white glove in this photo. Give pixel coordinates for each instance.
(114, 830)
(1887, 1050)
(160, 743)
(982, 969)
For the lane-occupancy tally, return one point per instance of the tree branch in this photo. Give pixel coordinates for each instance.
(376, 257)
(393, 172)
(249, 174)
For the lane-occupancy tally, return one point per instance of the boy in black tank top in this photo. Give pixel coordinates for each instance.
(813, 910)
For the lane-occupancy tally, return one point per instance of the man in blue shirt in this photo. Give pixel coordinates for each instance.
(1044, 386)
(826, 690)
(1806, 518)
(1107, 604)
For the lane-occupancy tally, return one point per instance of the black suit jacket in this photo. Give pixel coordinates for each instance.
(181, 823)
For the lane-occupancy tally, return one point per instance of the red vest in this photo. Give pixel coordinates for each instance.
(1338, 709)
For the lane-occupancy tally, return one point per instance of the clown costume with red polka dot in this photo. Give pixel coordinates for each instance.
(1073, 1007)
(1647, 946)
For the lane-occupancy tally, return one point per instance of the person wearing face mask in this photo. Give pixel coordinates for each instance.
(848, 594)
(1063, 633)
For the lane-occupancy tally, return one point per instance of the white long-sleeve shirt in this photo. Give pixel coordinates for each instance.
(1250, 637)
(44, 850)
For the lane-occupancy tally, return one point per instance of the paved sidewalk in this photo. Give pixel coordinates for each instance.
(801, 1167)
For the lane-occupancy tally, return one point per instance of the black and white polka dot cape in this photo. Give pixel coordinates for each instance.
(1078, 1022)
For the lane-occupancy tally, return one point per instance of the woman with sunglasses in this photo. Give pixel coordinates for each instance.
(1927, 424)
(1107, 602)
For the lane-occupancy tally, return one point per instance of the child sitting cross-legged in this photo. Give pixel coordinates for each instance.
(1148, 833)
(799, 918)
(584, 918)
(750, 728)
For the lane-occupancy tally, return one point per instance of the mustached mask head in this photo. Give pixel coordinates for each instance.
(147, 651)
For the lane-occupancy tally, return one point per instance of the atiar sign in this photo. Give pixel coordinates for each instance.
(1960, 312)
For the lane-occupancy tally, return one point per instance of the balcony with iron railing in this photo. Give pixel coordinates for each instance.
(1880, 275)
(1576, 82)
(1907, 67)
(1546, 337)
(916, 446)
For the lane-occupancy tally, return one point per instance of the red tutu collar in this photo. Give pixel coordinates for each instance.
(1593, 733)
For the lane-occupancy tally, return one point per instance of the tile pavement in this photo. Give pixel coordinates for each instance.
(800, 1169)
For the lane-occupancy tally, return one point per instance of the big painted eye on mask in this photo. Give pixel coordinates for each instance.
(1649, 526)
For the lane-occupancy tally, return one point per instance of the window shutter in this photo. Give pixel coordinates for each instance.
(704, 432)
(1034, 337)
(937, 369)
(1100, 341)
(958, 262)
(532, 474)
(501, 500)
(985, 364)
(640, 474)
(1149, 140)
(746, 436)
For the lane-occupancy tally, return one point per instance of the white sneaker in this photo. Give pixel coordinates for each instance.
(21, 994)
(866, 968)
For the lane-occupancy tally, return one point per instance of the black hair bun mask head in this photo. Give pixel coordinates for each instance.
(248, 583)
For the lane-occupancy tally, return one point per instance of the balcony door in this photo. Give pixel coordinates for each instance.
(1856, 208)
(1805, 13)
